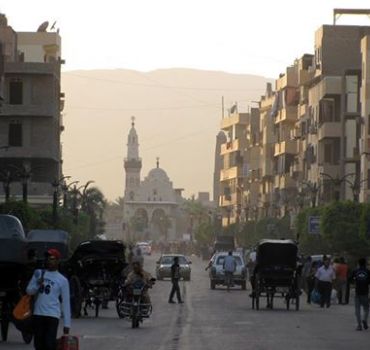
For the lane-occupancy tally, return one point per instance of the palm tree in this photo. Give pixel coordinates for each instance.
(93, 204)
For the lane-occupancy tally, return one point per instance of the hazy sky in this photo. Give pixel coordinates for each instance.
(241, 36)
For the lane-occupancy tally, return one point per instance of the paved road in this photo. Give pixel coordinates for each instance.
(217, 320)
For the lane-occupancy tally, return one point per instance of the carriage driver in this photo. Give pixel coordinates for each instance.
(138, 273)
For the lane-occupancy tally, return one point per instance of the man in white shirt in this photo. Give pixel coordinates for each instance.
(325, 276)
(229, 269)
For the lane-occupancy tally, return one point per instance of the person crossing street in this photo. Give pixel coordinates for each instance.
(175, 277)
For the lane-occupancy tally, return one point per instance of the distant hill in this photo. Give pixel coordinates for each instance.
(178, 113)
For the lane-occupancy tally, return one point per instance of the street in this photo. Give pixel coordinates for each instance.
(215, 320)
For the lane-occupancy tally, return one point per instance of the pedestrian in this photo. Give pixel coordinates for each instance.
(325, 276)
(341, 272)
(361, 278)
(310, 281)
(306, 272)
(229, 269)
(138, 257)
(51, 291)
(175, 277)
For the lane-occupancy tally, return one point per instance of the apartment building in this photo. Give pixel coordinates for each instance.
(30, 114)
(284, 112)
(267, 141)
(334, 111)
(365, 113)
(251, 199)
(233, 171)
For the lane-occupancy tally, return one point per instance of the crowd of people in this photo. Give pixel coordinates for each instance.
(329, 281)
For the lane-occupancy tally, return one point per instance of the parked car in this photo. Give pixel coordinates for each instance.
(145, 247)
(165, 262)
(217, 275)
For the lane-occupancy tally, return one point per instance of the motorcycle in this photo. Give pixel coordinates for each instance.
(130, 303)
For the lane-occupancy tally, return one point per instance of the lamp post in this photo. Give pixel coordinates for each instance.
(355, 186)
(6, 179)
(65, 189)
(314, 189)
(56, 184)
(337, 182)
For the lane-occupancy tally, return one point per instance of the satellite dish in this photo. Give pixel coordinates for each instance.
(53, 26)
(43, 26)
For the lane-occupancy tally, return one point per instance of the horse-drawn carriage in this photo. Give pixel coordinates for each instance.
(276, 273)
(94, 272)
(40, 241)
(13, 270)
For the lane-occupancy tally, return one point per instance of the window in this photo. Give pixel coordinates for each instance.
(352, 102)
(328, 151)
(327, 111)
(15, 92)
(15, 135)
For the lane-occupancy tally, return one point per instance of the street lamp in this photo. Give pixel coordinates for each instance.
(56, 184)
(355, 186)
(337, 182)
(65, 189)
(314, 189)
(6, 179)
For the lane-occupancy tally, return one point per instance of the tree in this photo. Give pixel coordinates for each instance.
(93, 204)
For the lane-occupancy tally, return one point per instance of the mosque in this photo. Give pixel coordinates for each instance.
(152, 207)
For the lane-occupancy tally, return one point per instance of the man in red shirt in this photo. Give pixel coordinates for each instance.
(341, 272)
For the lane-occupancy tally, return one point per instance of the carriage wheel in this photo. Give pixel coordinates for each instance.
(4, 330)
(76, 296)
(287, 302)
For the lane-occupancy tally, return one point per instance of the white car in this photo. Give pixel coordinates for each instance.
(217, 274)
(145, 247)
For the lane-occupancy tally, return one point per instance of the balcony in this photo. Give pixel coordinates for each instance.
(234, 119)
(302, 110)
(231, 146)
(288, 114)
(329, 130)
(330, 169)
(231, 173)
(45, 110)
(32, 68)
(289, 147)
(284, 181)
(226, 201)
(329, 86)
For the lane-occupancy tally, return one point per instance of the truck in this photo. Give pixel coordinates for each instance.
(224, 243)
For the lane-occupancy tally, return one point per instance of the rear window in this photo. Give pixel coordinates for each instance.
(220, 260)
(168, 260)
(10, 228)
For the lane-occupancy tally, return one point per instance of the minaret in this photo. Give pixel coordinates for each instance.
(132, 164)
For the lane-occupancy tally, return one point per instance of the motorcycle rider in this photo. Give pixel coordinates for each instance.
(139, 274)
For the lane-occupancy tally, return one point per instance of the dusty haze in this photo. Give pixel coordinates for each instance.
(177, 112)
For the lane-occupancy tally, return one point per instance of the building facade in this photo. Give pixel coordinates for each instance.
(30, 116)
(152, 205)
(309, 143)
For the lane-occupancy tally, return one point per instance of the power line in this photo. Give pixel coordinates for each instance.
(160, 85)
(142, 109)
(88, 165)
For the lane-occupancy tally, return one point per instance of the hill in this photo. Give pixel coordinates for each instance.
(178, 113)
